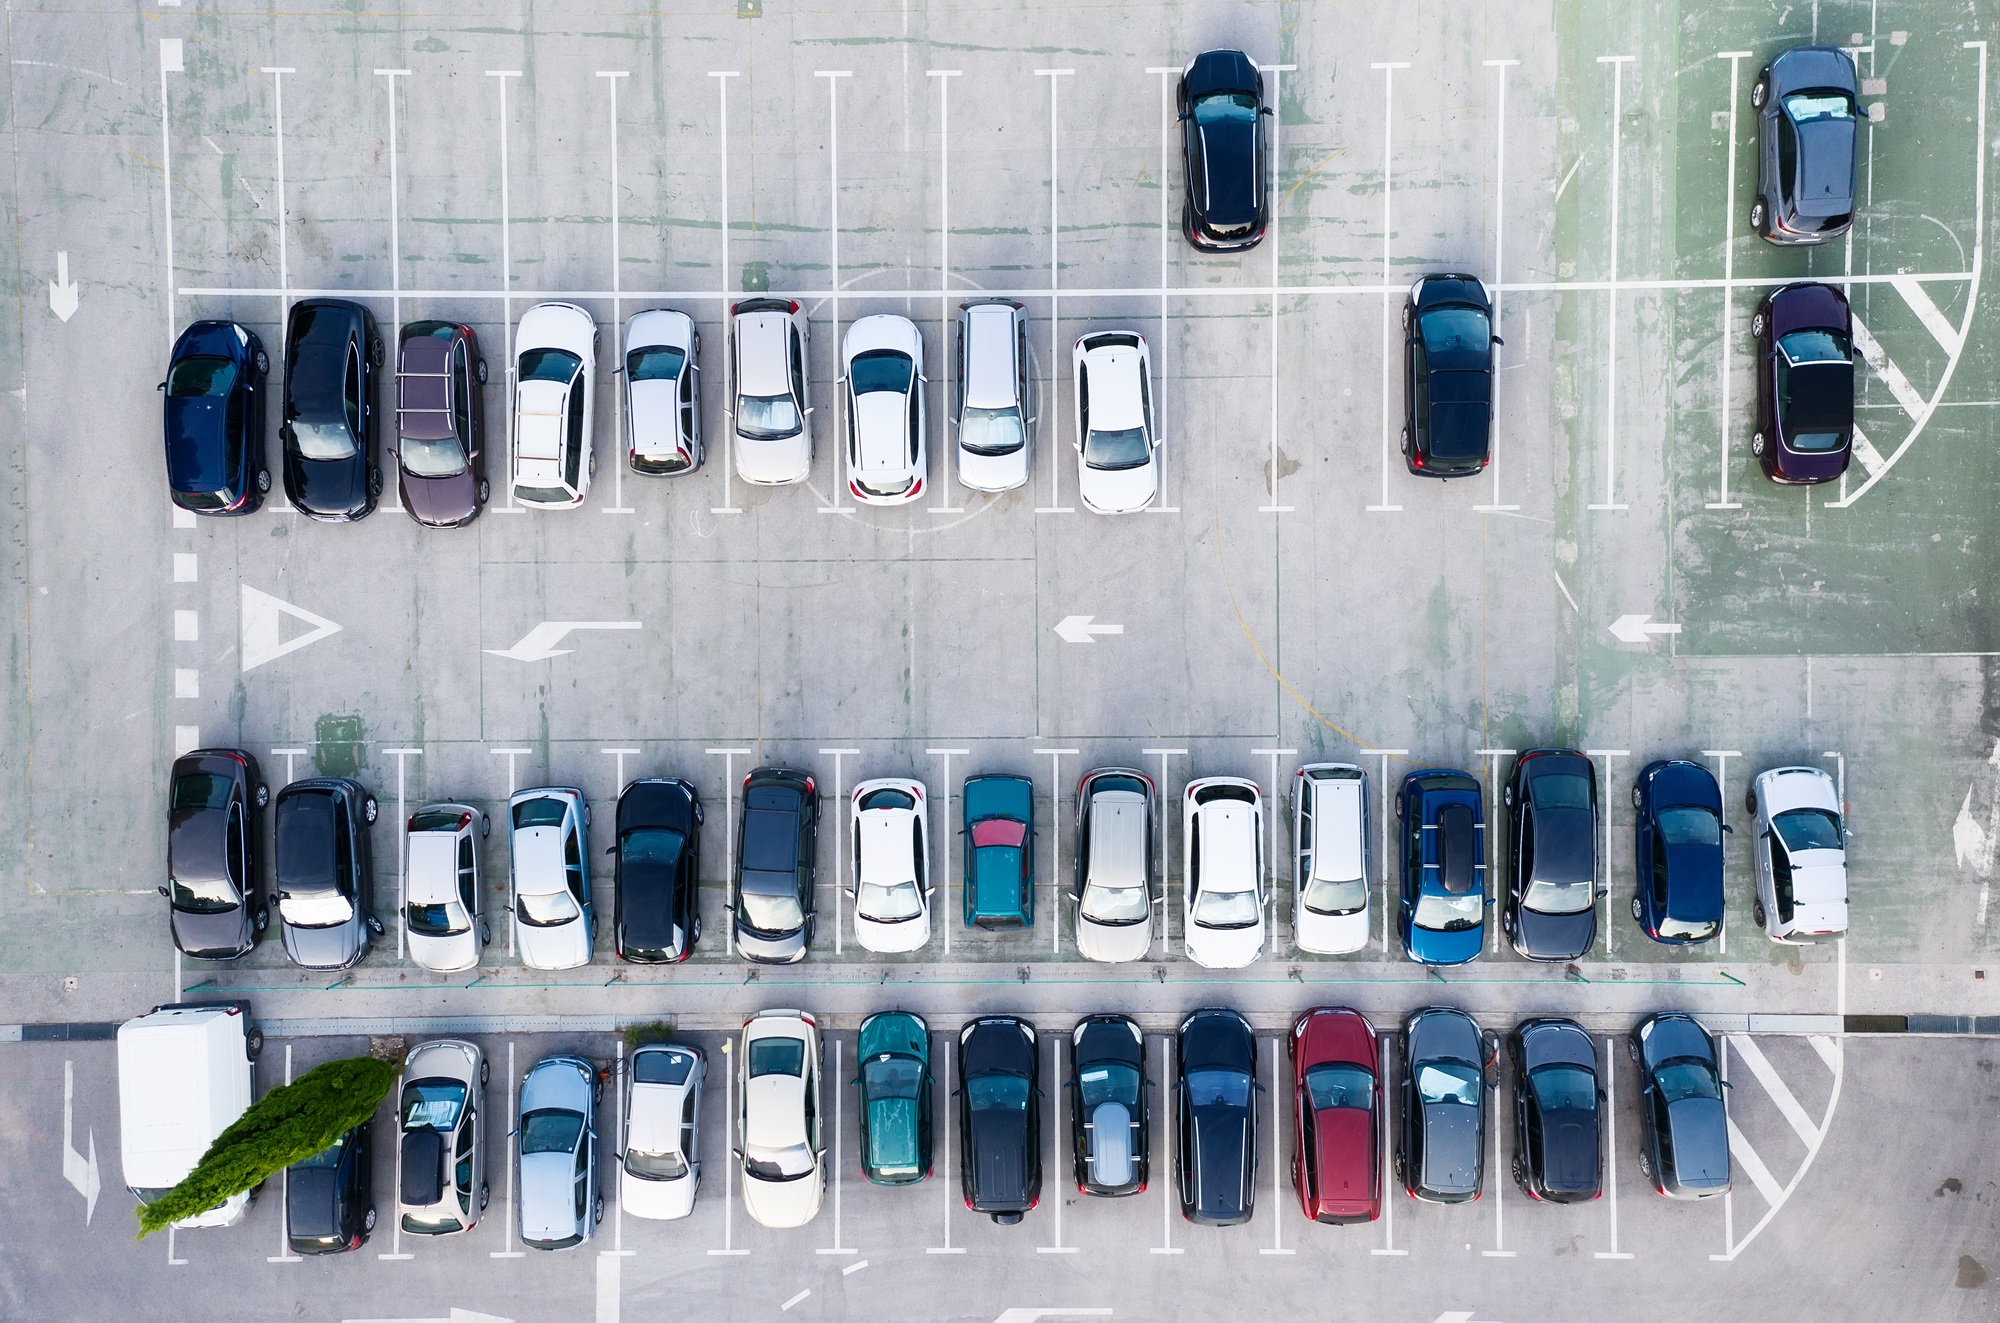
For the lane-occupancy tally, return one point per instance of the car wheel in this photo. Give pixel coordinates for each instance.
(1398, 1164)
(1520, 1173)
(1757, 912)
(485, 490)
(479, 373)
(1758, 91)
(1406, 319)
(374, 482)
(1750, 802)
(1632, 1050)
(485, 824)
(1404, 441)
(485, 1194)
(1507, 796)
(262, 362)
(263, 480)
(1636, 911)
(378, 354)
(375, 925)
(1645, 1164)
(1636, 801)
(263, 796)
(1757, 444)
(370, 810)
(261, 920)
(253, 1043)
(593, 463)
(1757, 324)
(485, 934)
(485, 1073)
(368, 1220)
(1757, 215)
(597, 1215)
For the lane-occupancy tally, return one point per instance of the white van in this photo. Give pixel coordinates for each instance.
(184, 1075)
(1330, 858)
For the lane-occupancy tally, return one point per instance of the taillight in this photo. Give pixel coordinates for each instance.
(855, 488)
(464, 821)
(795, 305)
(809, 785)
(917, 489)
(1416, 459)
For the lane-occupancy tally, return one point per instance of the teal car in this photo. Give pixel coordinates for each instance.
(894, 1052)
(999, 851)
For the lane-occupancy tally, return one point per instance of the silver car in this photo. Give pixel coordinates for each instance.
(660, 1165)
(441, 1146)
(662, 393)
(560, 1203)
(995, 398)
(768, 384)
(1115, 864)
(444, 907)
(1800, 851)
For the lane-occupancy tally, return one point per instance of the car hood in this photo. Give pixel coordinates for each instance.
(194, 434)
(1114, 943)
(1000, 1158)
(1569, 1150)
(1451, 1148)
(784, 1204)
(324, 948)
(655, 417)
(891, 1033)
(548, 1194)
(212, 935)
(445, 955)
(557, 1084)
(563, 947)
(656, 1199)
(1330, 934)
(1700, 1129)
(1117, 491)
(1557, 936)
(328, 486)
(787, 459)
(440, 500)
(893, 938)
(1219, 71)
(785, 948)
(1225, 948)
(1435, 948)
(994, 473)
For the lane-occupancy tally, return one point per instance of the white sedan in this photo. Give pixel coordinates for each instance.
(443, 902)
(1800, 849)
(1222, 894)
(783, 1149)
(892, 900)
(662, 392)
(882, 372)
(555, 396)
(549, 858)
(659, 1170)
(1117, 468)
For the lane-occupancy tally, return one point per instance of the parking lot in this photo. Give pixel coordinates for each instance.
(1291, 595)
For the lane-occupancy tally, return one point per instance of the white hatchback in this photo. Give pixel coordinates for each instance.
(1222, 893)
(1800, 849)
(769, 339)
(1330, 858)
(882, 374)
(1117, 449)
(548, 839)
(1114, 865)
(892, 898)
(444, 908)
(659, 1168)
(783, 1149)
(555, 395)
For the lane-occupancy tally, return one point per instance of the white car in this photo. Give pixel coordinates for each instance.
(555, 395)
(769, 339)
(549, 849)
(996, 396)
(892, 900)
(1222, 894)
(1330, 858)
(882, 370)
(1800, 849)
(662, 392)
(1117, 468)
(783, 1148)
(444, 907)
(659, 1169)
(1114, 864)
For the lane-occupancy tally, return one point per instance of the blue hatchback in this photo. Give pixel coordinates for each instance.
(214, 420)
(1443, 910)
(1677, 844)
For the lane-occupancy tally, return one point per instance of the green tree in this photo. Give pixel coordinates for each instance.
(288, 1124)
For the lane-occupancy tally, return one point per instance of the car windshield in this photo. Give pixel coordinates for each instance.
(1564, 1088)
(548, 910)
(327, 1158)
(778, 1164)
(329, 440)
(434, 920)
(1114, 905)
(1455, 333)
(888, 1076)
(549, 365)
(770, 914)
(1687, 1077)
(546, 811)
(1449, 914)
(1815, 347)
(1340, 1086)
(1546, 897)
(652, 845)
(888, 904)
(1226, 108)
(1226, 909)
(199, 377)
(655, 1166)
(655, 363)
(550, 1130)
(1808, 829)
(432, 1104)
(203, 895)
(991, 431)
(1108, 1081)
(1804, 107)
(777, 1056)
(767, 417)
(1559, 791)
(1688, 825)
(1447, 1082)
(997, 1093)
(1213, 1088)
(1116, 450)
(881, 369)
(1328, 897)
(436, 457)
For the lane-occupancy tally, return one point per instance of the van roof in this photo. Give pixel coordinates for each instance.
(183, 1077)
(1337, 830)
(989, 356)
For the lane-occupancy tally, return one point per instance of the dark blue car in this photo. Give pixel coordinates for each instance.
(1677, 842)
(214, 417)
(1443, 910)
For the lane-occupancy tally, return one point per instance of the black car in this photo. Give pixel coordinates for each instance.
(1222, 114)
(214, 907)
(1558, 1109)
(1448, 1064)
(325, 873)
(1686, 1148)
(1448, 376)
(1552, 891)
(1808, 146)
(1677, 852)
(1215, 1087)
(214, 419)
(332, 352)
(776, 861)
(1109, 1128)
(657, 871)
(330, 1196)
(999, 1117)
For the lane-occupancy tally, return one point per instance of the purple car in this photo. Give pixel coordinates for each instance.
(1805, 383)
(440, 424)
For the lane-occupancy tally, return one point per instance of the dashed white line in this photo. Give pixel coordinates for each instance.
(796, 1299)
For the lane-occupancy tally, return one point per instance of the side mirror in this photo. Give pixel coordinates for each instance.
(161, 387)
(1498, 341)
(930, 891)
(1602, 892)
(849, 892)
(1731, 830)
(390, 451)
(163, 890)
(808, 413)
(611, 849)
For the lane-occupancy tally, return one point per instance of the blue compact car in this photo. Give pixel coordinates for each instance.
(1443, 909)
(214, 420)
(1677, 844)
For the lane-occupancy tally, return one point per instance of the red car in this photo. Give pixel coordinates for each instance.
(1336, 1158)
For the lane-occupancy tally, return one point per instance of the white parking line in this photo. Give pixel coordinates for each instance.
(729, 757)
(1271, 839)
(1753, 1166)
(1166, 837)
(1277, 122)
(722, 77)
(1500, 68)
(510, 755)
(845, 839)
(729, 1135)
(1722, 757)
(949, 460)
(796, 1299)
(1726, 334)
(1767, 1075)
(853, 1268)
(833, 77)
(1277, 1245)
(278, 138)
(1383, 781)
(395, 247)
(943, 1082)
(1171, 1134)
(1908, 397)
(288, 755)
(943, 870)
(513, 1159)
(1611, 1143)
(1610, 502)
(1927, 312)
(1053, 396)
(170, 62)
(1055, 757)
(507, 313)
(1160, 351)
(617, 506)
(284, 1254)
(1499, 1250)
(617, 1182)
(1055, 1092)
(1607, 802)
(839, 1143)
(402, 843)
(1493, 757)
(1388, 1247)
(610, 1269)
(1388, 69)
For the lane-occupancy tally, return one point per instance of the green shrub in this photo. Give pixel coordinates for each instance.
(648, 1031)
(288, 1124)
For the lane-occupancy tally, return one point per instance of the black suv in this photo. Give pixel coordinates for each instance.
(776, 861)
(657, 871)
(1109, 1129)
(1808, 146)
(330, 1196)
(1552, 892)
(1448, 1064)
(1448, 376)
(1000, 1117)
(1215, 1086)
(1222, 114)
(214, 906)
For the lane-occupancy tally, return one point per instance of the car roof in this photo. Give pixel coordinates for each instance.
(431, 875)
(538, 430)
(1228, 845)
(763, 359)
(1113, 372)
(774, 1111)
(990, 380)
(538, 860)
(1337, 835)
(1118, 827)
(888, 846)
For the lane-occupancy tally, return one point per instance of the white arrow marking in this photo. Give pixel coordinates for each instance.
(78, 1170)
(457, 1316)
(62, 290)
(539, 642)
(263, 615)
(1078, 629)
(1968, 838)
(1031, 1315)
(1639, 628)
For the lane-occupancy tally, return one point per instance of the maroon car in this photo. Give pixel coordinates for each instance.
(1805, 383)
(440, 424)
(1337, 1111)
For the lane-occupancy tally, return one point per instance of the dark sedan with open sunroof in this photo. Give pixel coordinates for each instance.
(1805, 383)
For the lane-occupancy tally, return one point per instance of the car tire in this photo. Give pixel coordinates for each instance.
(261, 920)
(1757, 324)
(1757, 912)
(368, 1219)
(1636, 911)
(593, 463)
(262, 362)
(485, 934)
(1406, 318)
(374, 482)
(479, 373)
(263, 796)
(485, 1195)
(1757, 444)
(370, 810)
(378, 353)
(253, 1042)
(1645, 1164)
(485, 824)
(1757, 215)
(1403, 441)
(1507, 796)
(1758, 91)
(485, 490)
(263, 481)
(1750, 802)
(597, 1214)
(375, 925)
(1637, 802)
(485, 1073)
(1632, 1050)
(1520, 1173)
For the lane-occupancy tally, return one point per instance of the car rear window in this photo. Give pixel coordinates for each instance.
(654, 364)
(777, 1056)
(662, 1067)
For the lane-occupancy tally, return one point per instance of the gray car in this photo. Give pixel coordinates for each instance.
(325, 872)
(771, 912)
(993, 403)
(1448, 1065)
(1808, 146)
(1685, 1147)
(560, 1202)
(441, 1184)
(662, 393)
